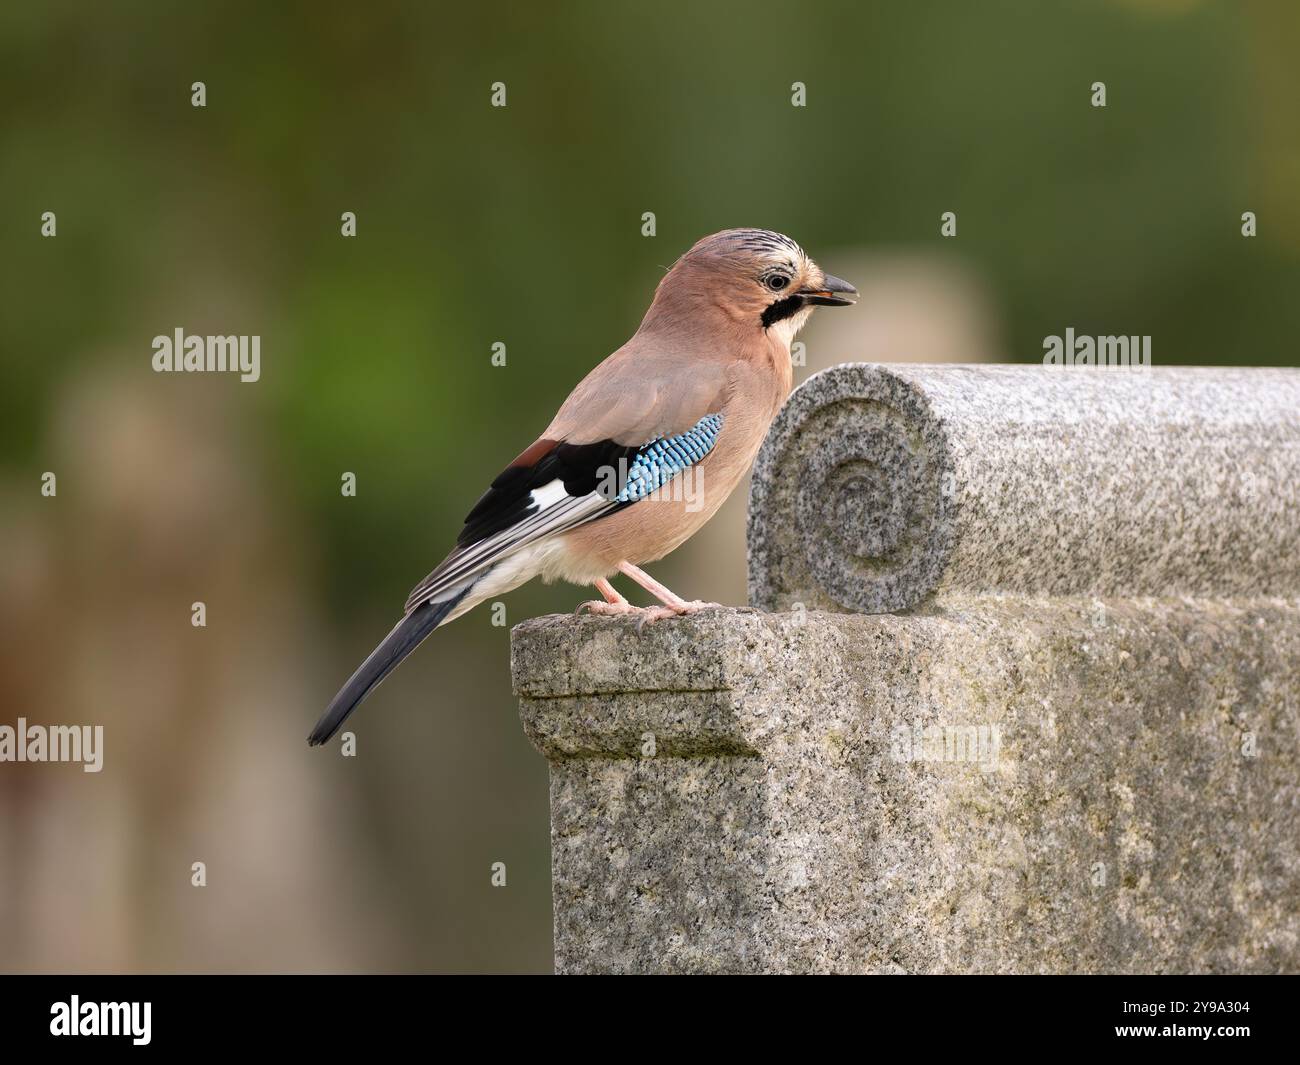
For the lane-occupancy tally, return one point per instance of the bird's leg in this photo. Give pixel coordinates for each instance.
(616, 605)
(613, 603)
(672, 602)
(610, 593)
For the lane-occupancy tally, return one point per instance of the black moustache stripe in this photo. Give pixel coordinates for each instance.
(781, 310)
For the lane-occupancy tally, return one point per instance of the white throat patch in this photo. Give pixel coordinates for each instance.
(786, 328)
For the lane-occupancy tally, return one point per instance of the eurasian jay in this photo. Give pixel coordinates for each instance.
(690, 395)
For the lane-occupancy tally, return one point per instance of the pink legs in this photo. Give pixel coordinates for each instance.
(614, 604)
(672, 602)
(609, 592)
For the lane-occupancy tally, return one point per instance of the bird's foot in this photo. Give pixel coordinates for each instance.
(673, 604)
(681, 608)
(684, 608)
(616, 606)
(645, 615)
(609, 610)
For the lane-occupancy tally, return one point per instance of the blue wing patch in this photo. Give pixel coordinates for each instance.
(663, 459)
(569, 485)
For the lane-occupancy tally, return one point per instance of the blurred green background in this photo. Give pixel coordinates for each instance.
(476, 225)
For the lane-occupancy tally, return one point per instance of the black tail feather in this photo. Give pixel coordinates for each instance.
(406, 636)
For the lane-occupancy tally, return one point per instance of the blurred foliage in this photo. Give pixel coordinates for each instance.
(522, 225)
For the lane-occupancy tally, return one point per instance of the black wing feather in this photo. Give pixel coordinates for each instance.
(580, 467)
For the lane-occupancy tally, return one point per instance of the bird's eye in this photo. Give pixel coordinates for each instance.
(776, 282)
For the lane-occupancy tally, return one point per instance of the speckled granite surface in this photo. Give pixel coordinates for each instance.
(881, 487)
(951, 755)
(1002, 785)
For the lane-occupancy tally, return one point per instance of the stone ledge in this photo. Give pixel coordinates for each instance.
(785, 823)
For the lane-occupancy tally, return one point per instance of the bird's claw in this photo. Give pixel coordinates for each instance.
(696, 605)
(676, 610)
(651, 614)
(645, 615)
(599, 606)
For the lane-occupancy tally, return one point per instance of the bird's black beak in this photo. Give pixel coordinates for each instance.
(832, 293)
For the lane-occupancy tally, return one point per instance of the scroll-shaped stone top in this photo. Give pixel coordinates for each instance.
(882, 487)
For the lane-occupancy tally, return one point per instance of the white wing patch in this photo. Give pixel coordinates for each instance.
(548, 494)
(563, 513)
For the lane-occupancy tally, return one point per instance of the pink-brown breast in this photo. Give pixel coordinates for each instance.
(650, 529)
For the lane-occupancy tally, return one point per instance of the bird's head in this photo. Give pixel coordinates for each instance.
(758, 278)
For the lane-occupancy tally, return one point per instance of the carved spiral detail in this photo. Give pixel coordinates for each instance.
(879, 488)
(851, 497)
